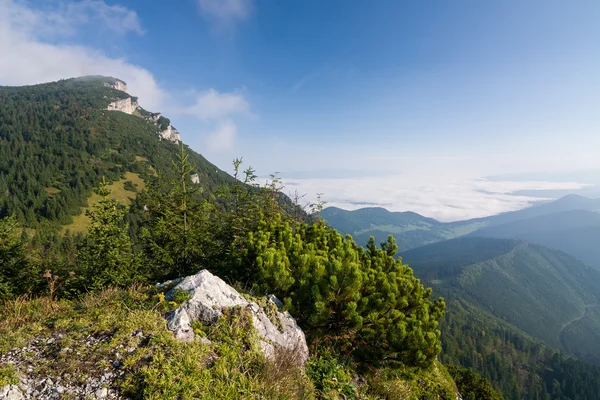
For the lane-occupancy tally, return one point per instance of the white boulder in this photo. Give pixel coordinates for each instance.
(211, 295)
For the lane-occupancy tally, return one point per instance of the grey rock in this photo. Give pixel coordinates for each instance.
(291, 337)
(203, 340)
(179, 322)
(168, 283)
(101, 393)
(275, 300)
(211, 295)
(11, 392)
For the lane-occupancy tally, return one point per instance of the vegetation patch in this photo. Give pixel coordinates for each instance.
(120, 190)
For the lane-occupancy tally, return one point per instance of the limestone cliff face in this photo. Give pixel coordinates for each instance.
(170, 134)
(127, 105)
(118, 84)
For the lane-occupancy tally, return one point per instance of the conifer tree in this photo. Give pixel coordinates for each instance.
(13, 261)
(105, 256)
(365, 301)
(174, 236)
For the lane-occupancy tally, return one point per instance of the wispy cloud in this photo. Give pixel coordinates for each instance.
(213, 105)
(27, 58)
(223, 14)
(222, 139)
(62, 18)
(300, 83)
(218, 110)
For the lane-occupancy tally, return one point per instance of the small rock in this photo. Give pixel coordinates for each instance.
(11, 392)
(211, 295)
(106, 377)
(203, 340)
(102, 393)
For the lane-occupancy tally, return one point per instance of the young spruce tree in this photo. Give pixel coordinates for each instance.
(105, 256)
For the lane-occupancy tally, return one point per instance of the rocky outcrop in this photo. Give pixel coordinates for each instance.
(100, 382)
(128, 106)
(170, 134)
(211, 296)
(117, 84)
(195, 179)
(11, 392)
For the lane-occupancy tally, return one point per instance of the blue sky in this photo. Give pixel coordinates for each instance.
(329, 88)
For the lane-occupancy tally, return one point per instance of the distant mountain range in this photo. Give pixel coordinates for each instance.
(570, 224)
(543, 292)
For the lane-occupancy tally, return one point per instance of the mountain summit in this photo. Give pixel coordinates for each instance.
(58, 139)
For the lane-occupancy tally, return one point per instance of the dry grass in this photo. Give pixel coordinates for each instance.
(118, 192)
(284, 378)
(51, 190)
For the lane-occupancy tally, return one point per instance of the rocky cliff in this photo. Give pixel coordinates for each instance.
(129, 105)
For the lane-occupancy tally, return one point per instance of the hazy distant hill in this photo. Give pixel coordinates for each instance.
(567, 203)
(543, 292)
(576, 232)
(412, 230)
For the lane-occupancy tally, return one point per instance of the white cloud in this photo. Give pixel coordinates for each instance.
(60, 18)
(212, 105)
(115, 18)
(439, 197)
(27, 59)
(224, 13)
(222, 139)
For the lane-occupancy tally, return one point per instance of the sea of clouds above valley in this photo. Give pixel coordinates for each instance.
(445, 199)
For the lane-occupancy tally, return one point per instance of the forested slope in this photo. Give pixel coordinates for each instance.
(534, 288)
(57, 141)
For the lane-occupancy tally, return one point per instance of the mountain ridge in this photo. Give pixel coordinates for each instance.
(57, 141)
(412, 230)
(537, 289)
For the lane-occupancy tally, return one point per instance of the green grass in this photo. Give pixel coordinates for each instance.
(161, 367)
(101, 325)
(8, 375)
(117, 191)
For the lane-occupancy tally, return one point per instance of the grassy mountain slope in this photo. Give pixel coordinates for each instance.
(536, 289)
(118, 340)
(576, 232)
(57, 140)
